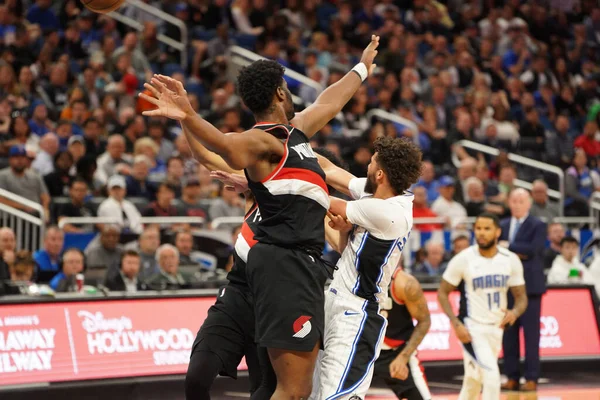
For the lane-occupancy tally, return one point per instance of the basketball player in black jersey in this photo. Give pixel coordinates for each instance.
(285, 273)
(227, 333)
(397, 364)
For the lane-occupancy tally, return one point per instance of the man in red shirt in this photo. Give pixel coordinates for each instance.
(587, 141)
(421, 210)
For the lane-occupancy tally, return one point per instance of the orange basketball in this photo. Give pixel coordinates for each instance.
(102, 6)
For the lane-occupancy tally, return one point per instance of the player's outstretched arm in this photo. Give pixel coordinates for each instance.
(335, 97)
(410, 291)
(444, 299)
(336, 177)
(239, 151)
(210, 160)
(520, 295)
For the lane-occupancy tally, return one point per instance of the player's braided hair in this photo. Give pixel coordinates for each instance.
(257, 84)
(400, 159)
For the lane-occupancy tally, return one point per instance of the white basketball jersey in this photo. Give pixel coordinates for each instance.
(381, 229)
(487, 281)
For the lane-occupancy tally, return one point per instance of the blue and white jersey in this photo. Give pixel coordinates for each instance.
(381, 230)
(487, 281)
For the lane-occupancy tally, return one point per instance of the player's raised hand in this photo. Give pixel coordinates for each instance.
(338, 223)
(368, 55)
(398, 368)
(237, 183)
(509, 318)
(169, 97)
(462, 333)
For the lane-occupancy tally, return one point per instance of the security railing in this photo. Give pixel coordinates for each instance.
(391, 117)
(242, 57)
(517, 159)
(144, 220)
(29, 229)
(595, 206)
(181, 46)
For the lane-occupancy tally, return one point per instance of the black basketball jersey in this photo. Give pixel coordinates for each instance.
(293, 199)
(400, 322)
(242, 246)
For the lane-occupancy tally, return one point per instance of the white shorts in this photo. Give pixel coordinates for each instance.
(354, 332)
(481, 361)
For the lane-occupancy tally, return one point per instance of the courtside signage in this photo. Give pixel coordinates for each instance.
(121, 338)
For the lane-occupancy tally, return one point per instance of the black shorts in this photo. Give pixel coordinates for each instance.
(228, 330)
(288, 290)
(412, 388)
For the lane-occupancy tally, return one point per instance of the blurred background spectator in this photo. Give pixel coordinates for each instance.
(520, 77)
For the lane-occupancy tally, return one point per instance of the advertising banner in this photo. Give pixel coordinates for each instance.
(51, 342)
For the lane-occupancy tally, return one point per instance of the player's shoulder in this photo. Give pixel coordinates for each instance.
(406, 286)
(504, 252)
(467, 254)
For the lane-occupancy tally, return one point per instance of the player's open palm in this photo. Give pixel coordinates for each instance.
(368, 55)
(462, 333)
(399, 369)
(169, 97)
(237, 183)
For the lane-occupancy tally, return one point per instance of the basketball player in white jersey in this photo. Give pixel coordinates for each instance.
(488, 272)
(380, 221)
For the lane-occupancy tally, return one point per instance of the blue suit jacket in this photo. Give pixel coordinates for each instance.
(529, 242)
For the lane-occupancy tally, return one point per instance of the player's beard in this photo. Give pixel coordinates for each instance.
(370, 185)
(487, 245)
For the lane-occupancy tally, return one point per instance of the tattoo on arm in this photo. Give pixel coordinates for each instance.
(417, 306)
(444, 300)
(520, 295)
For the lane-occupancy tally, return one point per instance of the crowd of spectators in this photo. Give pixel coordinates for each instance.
(520, 76)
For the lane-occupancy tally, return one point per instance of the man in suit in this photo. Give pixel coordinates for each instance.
(126, 278)
(524, 235)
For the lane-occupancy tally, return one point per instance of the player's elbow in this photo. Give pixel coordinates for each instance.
(424, 322)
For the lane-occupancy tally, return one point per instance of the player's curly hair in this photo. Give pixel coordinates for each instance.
(400, 159)
(257, 84)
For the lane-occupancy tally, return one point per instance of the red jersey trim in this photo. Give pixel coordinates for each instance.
(302, 174)
(393, 342)
(248, 235)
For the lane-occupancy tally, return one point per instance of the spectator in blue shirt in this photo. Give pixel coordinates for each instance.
(41, 13)
(72, 263)
(429, 182)
(39, 122)
(47, 259)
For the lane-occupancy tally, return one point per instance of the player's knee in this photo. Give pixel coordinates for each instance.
(300, 390)
(492, 378)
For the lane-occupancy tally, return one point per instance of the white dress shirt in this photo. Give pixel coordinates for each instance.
(513, 225)
(130, 284)
(112, 208)
(43, 163)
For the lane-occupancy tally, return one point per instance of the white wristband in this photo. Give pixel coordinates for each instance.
(361, 70)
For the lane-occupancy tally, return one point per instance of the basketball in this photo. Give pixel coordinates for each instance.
(102, 6)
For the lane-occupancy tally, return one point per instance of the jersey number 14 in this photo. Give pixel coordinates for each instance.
(493, 300)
